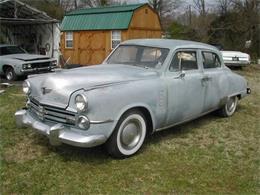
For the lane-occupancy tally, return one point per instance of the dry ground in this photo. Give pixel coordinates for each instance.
(210, 155)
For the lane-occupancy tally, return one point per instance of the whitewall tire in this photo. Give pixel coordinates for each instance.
(128, 136)
(230, 107)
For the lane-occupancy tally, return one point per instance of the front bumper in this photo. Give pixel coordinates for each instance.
(58, 133)
(38, 70)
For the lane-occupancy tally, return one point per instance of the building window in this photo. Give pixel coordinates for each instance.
(69, 39)
(116, 38)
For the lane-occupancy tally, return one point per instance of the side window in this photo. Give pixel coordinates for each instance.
(185, 60)
(210, 60)
(69, 39)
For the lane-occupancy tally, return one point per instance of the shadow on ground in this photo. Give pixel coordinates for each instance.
(99, 154)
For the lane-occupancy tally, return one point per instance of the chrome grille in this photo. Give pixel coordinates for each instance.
(54, 114)
(41, 64)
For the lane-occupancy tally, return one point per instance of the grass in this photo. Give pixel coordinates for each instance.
(210, 155)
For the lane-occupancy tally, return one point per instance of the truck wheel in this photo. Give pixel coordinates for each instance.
(10, 74)
(230, 107)
(128, 136)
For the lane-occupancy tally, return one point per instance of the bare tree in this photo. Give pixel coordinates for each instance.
(199, 5)
(95, 3)
(165, 7)
(223, 6)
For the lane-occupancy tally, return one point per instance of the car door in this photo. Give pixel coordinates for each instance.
(185, 90)
(213, 80)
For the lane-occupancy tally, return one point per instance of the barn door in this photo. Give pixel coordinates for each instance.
(92, 47)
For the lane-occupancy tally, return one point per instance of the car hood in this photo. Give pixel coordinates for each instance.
(234, 54)
(27, 57)
(59, 86)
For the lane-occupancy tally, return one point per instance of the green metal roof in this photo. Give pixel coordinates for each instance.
(101, 18)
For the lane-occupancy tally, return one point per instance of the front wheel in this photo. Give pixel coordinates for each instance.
(230, 107)
(10, 74)
(128, 136)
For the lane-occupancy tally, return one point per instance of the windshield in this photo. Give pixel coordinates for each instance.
(148, 57)
(11, 50)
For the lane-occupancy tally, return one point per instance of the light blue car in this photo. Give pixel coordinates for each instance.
(143, 86)
(15, 61)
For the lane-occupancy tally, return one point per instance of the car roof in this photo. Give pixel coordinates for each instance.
(6, 45)
(170, 44)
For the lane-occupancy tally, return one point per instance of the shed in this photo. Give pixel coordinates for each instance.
(28, 27)
(89, 35)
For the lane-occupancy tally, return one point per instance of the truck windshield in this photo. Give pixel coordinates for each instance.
(11, 50)
(148, 57)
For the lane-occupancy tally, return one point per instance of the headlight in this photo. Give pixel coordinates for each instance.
(26, 87)
(83, 122)
(54, 63)
(27, 66)
(81, 102)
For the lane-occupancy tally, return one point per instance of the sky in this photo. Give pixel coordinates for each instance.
(186, 2)
(209, 3)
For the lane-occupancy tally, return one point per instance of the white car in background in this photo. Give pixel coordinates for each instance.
(235, 58)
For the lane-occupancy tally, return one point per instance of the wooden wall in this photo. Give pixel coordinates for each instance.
(92, 47)
(145, 24)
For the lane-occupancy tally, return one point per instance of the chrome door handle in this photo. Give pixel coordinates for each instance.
(205, 79)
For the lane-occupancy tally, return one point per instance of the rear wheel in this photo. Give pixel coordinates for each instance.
(230, 107)
(128, 136)
(10, 74)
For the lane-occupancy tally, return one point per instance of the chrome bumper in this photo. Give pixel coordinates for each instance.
(35, 70)
(236, 63)
(58, 133)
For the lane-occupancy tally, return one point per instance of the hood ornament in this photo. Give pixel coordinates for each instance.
(45, 90)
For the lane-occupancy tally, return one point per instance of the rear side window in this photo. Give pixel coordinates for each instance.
(210, 60)
(185, 60)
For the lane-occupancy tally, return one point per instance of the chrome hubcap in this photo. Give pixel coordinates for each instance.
(231, 104)
(131, 134)
(9, 75)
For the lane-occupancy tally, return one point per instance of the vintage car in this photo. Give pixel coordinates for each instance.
(143, 86)
(15, 61)
(235, 58)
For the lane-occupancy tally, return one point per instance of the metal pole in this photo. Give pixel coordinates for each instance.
(15, 9)
(190, 14)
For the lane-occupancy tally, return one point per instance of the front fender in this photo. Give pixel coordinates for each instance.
(111, 102)
(15, 64)
(138, 105)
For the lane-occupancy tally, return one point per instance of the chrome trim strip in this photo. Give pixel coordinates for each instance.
(102, 122)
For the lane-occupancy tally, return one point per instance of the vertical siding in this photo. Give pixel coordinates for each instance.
(89, 47)
(145, 18)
